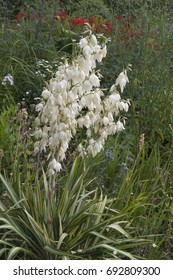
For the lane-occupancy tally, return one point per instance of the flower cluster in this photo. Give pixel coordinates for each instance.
(99, 25)
(8, 79)
(43, 68)
(73, 100)
(20, 15)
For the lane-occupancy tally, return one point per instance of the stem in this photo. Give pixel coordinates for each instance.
(39, 21)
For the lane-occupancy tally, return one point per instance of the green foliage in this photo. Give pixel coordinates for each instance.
(133, 6)
(8, 135)
(141, 42)
(120, 207)
(91, 8)
(65, 222)
(141, 188)
(20, 54)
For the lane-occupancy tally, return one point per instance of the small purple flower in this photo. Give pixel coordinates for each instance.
(109, 153)
(9, 79)
(154, 200)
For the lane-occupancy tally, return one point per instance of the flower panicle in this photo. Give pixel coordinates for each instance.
(73, 99)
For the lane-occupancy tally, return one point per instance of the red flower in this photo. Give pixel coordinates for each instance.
(119, 18)
(108, 30)
(107, 27)
(107, 24)
(20, 15)
(97, 28)
(78, 21)
(91, 20)
(130, 17)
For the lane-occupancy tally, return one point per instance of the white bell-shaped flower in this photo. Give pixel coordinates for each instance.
(122, 80)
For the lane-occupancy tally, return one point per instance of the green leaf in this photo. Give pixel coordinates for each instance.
(60, 254)
(119, 229)
(10, 190)
(14, 251)
(60, 241)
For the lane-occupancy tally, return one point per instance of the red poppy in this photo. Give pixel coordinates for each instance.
(130, 17)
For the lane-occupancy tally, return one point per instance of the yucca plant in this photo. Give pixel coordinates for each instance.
(69, 222)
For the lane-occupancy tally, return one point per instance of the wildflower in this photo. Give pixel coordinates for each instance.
(78, 21)
(130, 17)
(8, 79)
(109, 153)
(20, 15)
(154, 200)
(97, 28)
(91, 20)
(107, 27)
